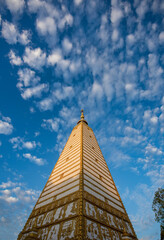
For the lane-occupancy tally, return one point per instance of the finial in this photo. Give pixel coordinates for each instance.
(82, 114)
(82, 117)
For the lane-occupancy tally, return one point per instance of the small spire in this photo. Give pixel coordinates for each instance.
(82, 114)
(82, 117)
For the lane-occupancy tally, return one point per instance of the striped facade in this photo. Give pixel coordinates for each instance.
(80, 199)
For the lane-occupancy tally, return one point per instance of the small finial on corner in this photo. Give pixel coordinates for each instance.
(82, 114)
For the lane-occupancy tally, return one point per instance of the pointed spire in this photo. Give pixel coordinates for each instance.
(82, 117)
(82, 114)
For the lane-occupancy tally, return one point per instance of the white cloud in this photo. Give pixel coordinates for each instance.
(78, 2)
(46, 104)
(119, 158)
(66, 20)
(60, 92)
(135, 169)
(131, 39)
(34, 5)
(35, 91)
(35, 58)
(24, 37)
(27, 78)
(37, 134)
(14, 192)
(115, 35)
(6, 127)
(34, 159)
(154, 87)
(9, 32)
(8, 199)
(3, 219)
(20, 143)
(15, 6)
(55, 57)
(104, 33)
(151, 119)
(7, 184)
(108, 86)
(68, 113)
(75, 66)
(161, 37)
(153, 150)
(142, 9)
(154, 119)
(131, 130)
(51, 124)
(116, 15)
(67, 45)
(46, 26)
(28, 84)
(131, 91)
(97, 91)
(14, 60)
(64, 64)
(42, 8)
(29, 145)
(12, 35)
(156, 175)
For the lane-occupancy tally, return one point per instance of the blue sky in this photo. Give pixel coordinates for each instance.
(60, 56)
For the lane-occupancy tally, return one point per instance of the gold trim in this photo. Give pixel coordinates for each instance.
(81, 223)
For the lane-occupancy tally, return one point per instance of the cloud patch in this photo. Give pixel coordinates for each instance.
(35, 58)
(34, 159)
(13, 36)
(28, 84)
(15, 6)
(14, 60)
(6, 126)
(20, 143)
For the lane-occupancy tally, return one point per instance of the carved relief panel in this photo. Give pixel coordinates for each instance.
(69, 230)
(91, 230)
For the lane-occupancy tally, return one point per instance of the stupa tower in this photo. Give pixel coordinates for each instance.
(80, 199)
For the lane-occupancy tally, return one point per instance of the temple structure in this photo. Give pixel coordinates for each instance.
(80, 199)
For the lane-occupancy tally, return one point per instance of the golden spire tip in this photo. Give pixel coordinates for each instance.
(82, 118)
(82, 114)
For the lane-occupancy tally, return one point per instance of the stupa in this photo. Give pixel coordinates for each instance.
(80, 200)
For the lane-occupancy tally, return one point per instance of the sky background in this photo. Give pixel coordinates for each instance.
(57, 57)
